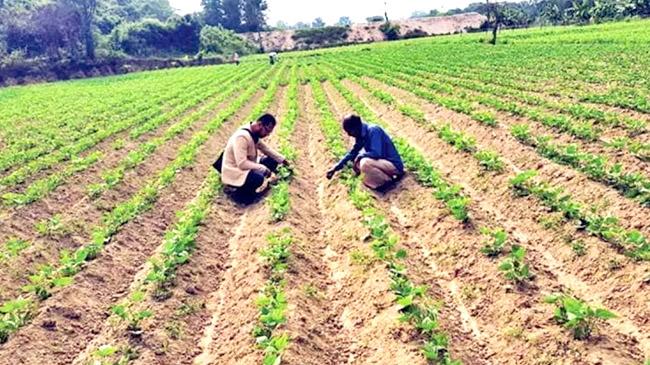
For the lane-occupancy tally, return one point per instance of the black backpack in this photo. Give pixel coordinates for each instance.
(218, 164)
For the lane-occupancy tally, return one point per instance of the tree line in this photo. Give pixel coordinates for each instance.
(50, 30)
(551, 12)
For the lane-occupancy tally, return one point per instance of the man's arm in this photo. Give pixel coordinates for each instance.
(268, 151)
(351, 155)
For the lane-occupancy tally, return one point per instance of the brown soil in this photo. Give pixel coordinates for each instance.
(494, 206)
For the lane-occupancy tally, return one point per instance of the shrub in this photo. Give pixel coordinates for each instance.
(218, 40)
(390, 30)
(322, 36)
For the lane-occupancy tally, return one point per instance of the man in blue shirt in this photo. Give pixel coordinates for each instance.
(374, 154)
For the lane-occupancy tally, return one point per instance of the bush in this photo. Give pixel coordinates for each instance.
(391, 31)
(217, 40)
(152, 37)
(322, 36)
(415, 33)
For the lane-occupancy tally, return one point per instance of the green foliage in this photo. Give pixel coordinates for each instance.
(576, 315)
(391, 31)
(490, 160)
(13, 315)
(495, 242)
(514, 266)
(322, 36)
(130, 313)
(12, 248)
(220, 41)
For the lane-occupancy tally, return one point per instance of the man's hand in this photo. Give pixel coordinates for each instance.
(286, 163)
(330, 174)
(265, 171)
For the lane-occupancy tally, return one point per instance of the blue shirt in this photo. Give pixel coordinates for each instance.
(376, 144)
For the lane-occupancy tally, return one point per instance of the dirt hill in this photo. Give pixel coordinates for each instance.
(369, 32)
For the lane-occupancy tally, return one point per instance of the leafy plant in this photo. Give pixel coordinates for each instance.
(52, 227)
(129, 313)
(495, 242)
(490, 160)
(576, 315)
(514, 267)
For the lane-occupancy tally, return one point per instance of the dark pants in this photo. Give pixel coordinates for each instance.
(254, 180)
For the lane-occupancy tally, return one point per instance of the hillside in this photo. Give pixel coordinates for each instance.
(366, 33)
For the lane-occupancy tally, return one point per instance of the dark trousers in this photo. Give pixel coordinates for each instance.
(255, 179)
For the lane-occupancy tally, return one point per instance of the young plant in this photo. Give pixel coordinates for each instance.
(495, 242)
(12, 248)
(576, 315)
(490, 160)
(13, 315)
(514, 266)
(128, 313)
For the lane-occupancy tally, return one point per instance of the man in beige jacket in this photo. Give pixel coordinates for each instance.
(241, 167)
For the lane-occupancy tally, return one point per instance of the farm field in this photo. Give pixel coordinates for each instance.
(520, 235)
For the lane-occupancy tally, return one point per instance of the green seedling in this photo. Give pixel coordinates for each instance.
(576, 315)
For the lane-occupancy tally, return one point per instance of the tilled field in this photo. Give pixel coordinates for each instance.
(518, 236)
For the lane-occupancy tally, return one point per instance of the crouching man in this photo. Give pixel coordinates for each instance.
(374, 155)
(242, 168)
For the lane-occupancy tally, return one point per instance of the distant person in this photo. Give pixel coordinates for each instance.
(374, 155)
(240, 166)
(235, 58)
(273, 58)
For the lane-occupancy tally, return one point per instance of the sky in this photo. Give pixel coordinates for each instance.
(293, 11)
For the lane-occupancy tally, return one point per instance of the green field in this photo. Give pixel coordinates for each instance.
(519, 236)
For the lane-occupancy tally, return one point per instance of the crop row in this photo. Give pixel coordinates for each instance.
(67, 152)
(630, 184)
(139, 111)
(61, 274)
(415, 305)
(279, 200)
(40, 188)
(607, 228)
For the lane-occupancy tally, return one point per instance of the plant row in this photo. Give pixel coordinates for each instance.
(61, 274)
(138, 113)
(70, 151)
(414, 161)
(279, 201)
(416, 307)
(632, 242)
(633, 185)
(272, 301)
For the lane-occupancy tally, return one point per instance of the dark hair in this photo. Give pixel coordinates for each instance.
(267, 120)
(352, 123)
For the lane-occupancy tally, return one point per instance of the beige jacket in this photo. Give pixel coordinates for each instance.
(240, 157)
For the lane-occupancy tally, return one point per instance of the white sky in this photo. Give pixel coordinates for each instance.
(293, 11)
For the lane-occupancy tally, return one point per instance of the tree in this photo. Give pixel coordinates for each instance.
(579, 11)
(254, 18)
(282, 25)
(318, 23)
(344, 21)
(232, 15)
(86, 11)
(213, 12)
(495, 19)
(223, 41)
(301, 25)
